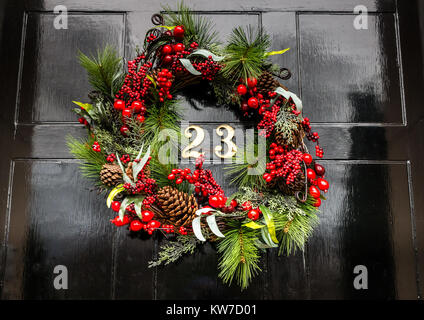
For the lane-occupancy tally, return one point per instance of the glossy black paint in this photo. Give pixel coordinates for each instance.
(361, 88)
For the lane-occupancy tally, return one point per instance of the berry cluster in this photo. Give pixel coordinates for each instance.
(83, 121)
(285, 164)
(164, 81)
(96, 147)
(111, 158)
(125, 158)
(208, 68)
(312, 136)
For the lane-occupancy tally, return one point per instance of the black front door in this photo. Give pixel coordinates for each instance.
(361, 89)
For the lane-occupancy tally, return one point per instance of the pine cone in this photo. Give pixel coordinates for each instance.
(266, 83)
(178, 208)
(297, 185)
(295, 140)
(111, 174)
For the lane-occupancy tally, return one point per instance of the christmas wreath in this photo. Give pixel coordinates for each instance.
(129, 111)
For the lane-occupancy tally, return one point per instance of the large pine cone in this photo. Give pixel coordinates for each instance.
(295, 139)
(266, 83)
(111, 174)
(178, 208)
(290, 189)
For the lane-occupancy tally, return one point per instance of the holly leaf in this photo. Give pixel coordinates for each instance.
(269, 222)
(123, 207)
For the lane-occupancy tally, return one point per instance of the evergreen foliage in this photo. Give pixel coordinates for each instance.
(245, 53)
(171, 251)
(196, 27)
(92, 161)
(239, 256)
(104, 71)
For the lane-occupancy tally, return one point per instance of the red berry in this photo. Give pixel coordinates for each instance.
(314, 192)
(119, 105)
(136, 225)
(319, 169)
(317, 203)
(253, 214)
(234, 203)
(307, 158)
(323, 184)
(124, 130)
(115, 206)
(241, 89)
(167, 49)
(246, 206)
(179, 181)
(310, 174)
(126, 113)
(251, 82)
(214, 201)
(244, 106)
(253, 103)
(179, 47)
(140, 118)
(119, 223)
(136, 106)
(179, 31)
(171, 176)
(153, 224)
(147, 215)
(167, 59)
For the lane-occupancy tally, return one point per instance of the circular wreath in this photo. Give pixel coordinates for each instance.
(129, 110)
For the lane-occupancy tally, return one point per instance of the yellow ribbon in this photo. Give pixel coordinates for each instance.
(272, 53)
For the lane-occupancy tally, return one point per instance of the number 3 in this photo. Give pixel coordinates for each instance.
(228, 140)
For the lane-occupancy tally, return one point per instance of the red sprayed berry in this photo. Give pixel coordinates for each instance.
(115, 206)
(167, 59)
(153, 224)
(126, 113)
(253, 214)
(171, 176)
(307, 158)
(241, 89)
(119, 223)
(323, 184)
(310, 174)
(147, 215)
(179, 31)
(314, 192)
(253, 103)
(119, 105)
(136, 106)
(317, 203)
(166, 49)
(136, 225)
(214, 201)
(252, 82)
(234, 203)
(179, 47)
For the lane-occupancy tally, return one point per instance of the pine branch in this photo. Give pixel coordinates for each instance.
(104, 71)
(245, 53)
(196, 28)
(92, 161)
(239, 256)
(238, 170)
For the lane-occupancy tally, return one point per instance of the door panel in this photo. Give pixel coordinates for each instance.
(360, 88)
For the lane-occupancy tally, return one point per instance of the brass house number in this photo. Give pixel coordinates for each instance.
(200, 137)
